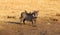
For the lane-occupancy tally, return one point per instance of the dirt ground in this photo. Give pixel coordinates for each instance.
(43, 26)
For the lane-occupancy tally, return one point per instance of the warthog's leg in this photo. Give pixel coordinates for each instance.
(33, 22)
(21, 20)
(24, 21)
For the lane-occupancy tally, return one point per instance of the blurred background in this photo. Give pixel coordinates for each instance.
(15, 7)
(48, 21)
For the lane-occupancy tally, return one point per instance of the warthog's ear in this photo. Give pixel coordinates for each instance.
(38, 11)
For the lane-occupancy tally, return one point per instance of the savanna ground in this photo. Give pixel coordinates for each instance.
(48, 25)
(43, 26)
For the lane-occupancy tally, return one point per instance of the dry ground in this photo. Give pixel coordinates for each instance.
(44, 26)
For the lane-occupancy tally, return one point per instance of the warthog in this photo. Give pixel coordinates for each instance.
(29, 16)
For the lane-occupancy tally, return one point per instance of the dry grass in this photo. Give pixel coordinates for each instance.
(44, 26)
(47, 24)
